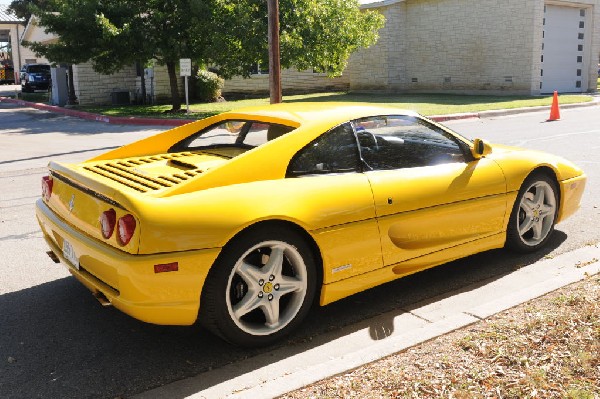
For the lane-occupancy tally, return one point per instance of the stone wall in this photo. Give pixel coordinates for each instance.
(453, 45)
(94, 88)
(381, 66)
(291, 80)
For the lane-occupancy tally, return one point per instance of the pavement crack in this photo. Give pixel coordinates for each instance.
(19, 236)
(58, 154)
(474, 315)
(417, 316)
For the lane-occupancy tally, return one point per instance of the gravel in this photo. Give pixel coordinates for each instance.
(546, 348)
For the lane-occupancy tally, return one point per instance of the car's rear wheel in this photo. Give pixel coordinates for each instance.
(534, 214)
(260, 288)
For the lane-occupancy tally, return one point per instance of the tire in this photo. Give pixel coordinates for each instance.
(533, 215)
(260, 288)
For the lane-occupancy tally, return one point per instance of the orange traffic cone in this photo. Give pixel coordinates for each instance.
(554, 111)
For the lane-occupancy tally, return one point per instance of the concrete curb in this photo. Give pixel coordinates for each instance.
(384, 335)
(120, 120)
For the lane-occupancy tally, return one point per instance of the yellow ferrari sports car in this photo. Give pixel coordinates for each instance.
(245, 219)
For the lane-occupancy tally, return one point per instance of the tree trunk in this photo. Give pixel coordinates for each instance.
(72, 98)
(175, 100)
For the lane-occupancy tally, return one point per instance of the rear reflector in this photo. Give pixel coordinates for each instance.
(47, 184)
(126, 229)
(167, 267)
(108, 220)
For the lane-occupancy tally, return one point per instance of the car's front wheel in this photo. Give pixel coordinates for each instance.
(260, 288)
(534, 214)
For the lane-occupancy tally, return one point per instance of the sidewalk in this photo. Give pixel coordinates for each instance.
(381, 336)
(178, 122)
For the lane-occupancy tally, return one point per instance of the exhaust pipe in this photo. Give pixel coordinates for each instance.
(53, 256)
(102, 299)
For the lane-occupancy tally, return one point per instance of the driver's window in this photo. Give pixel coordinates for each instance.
(334, 152)
(393, 142)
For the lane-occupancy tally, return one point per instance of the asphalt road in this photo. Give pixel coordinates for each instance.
(56, 341)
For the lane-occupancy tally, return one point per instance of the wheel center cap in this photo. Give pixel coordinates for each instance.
(536, 213)
(268, 287)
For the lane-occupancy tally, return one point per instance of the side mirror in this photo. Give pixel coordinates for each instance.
(480, 148)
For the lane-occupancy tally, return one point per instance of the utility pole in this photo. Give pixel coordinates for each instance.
(274, 57)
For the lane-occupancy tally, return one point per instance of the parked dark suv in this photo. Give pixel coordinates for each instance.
(35, 77)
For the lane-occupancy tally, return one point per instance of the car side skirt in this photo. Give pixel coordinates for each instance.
(344, 288)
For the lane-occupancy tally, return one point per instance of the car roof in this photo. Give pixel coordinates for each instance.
(333, 113)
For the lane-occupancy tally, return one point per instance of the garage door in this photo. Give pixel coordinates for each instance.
(563, 49)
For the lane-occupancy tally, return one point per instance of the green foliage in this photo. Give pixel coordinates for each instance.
(208, 86)
(313, 34)
(21, 7)
(231, 34)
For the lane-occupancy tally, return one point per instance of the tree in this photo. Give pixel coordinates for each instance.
(228, 34)
(313, 34)
(21, 7)
(113, 33)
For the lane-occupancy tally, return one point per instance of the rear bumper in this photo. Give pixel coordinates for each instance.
(37, 85)
(170, 298)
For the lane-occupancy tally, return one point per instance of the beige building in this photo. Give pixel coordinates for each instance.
(469, 46)
(291, 81)
(33, 33)
(458, 46)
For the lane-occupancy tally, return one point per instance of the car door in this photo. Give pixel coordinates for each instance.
(429, 193)
(338, 194)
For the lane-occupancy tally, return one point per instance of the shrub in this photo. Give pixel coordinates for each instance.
(208, 86)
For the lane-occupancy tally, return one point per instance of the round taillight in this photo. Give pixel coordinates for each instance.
(126, 227)
(47, 184)
(108, 220)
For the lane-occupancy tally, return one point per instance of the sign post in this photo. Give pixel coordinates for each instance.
(185, 70)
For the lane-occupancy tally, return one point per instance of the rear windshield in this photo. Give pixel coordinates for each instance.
(242, 134)
(39, 68)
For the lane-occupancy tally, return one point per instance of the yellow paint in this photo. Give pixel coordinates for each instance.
(369, 228)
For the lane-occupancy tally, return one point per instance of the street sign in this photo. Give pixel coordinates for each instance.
(185, 67)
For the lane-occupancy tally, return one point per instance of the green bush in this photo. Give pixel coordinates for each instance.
(208, 86)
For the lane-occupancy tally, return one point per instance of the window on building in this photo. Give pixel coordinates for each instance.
(259, 69)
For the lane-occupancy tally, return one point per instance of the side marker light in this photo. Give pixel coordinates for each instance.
(166, 267)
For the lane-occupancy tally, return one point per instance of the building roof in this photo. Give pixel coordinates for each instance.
(6, 18)
(377, 3)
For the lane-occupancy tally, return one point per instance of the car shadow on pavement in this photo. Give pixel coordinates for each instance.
(56, 341)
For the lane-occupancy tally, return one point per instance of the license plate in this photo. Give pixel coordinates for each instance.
(69, 254)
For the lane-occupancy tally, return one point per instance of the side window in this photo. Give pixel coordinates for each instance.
(334, 152)
(393, 142)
